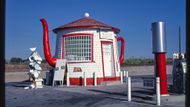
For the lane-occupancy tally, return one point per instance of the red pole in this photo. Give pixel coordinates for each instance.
(159, 50)
(160, 68)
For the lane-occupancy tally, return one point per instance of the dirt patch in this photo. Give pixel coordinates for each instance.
(23, 67)
(16, 73)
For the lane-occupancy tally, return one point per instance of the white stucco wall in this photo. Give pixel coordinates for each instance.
(95, 66)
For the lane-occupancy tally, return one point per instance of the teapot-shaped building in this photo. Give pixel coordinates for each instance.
(89, 46)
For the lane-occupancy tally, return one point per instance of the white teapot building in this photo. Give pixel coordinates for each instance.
(89, 46)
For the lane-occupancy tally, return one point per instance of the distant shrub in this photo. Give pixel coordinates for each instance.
(16, 60)
(143, 61)
(44, 61)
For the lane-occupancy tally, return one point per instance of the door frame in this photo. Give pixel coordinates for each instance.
(104, 77)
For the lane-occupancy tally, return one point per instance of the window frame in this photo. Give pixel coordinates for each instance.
(79, 34)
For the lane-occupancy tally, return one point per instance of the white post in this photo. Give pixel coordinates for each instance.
(126, 76)
(129, 88)
(84, 79)
(121, 77)
(95, 80)
(158, 91)
(124, 73)
(68, 81)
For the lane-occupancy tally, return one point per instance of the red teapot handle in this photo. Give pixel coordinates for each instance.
(121, 57)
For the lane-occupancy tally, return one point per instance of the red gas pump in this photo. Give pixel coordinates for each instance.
(159, 50)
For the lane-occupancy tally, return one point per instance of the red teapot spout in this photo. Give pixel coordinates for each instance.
(47, 52)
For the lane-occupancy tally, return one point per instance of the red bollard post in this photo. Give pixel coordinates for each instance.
(161, 72)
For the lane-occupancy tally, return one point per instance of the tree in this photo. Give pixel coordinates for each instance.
(15, 60)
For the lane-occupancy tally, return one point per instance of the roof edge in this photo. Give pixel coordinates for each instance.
(93, 27)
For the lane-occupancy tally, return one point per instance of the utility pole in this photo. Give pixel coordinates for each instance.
(180, 57)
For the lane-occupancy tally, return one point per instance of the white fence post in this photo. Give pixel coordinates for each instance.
(126, 76)
(68, 80)
(121, 77)
(84, 79)
(129, 88)
(158, 91)
(95, 80)
(124, 73)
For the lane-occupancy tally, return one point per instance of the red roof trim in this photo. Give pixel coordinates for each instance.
(77, 27)
(86, 23)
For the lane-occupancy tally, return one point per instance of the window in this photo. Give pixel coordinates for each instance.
(78, 48)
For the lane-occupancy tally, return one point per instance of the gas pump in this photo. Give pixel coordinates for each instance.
(178, 73)
(179, 70)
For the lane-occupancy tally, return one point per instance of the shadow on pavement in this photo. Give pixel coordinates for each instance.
(138, 96)
(106, 92)
(18, 84)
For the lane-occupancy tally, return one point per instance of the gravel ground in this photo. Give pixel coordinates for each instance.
(90, 96)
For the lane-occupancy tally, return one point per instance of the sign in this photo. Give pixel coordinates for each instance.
(105, 35)
(59, 70)
(77, 69)
(148, 82)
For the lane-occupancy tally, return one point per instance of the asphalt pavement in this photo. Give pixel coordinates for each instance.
(89, 96)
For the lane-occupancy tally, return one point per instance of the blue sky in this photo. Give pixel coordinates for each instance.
(132, 17)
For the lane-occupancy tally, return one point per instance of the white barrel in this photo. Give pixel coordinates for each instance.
(158, 37)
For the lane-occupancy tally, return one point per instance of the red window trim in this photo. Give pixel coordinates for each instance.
(80, 34)
(108, 78)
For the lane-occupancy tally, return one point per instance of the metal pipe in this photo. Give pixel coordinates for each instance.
(180, 57)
